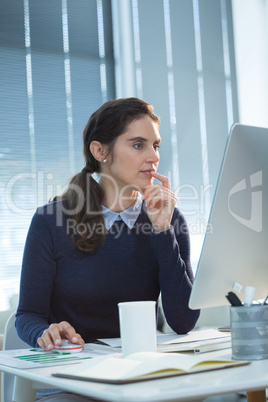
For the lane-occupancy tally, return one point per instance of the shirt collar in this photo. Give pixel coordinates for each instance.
(128, 216)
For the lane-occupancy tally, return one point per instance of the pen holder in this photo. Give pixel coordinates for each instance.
(249, 332)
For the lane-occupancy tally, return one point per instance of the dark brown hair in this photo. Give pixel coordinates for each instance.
(84, 195)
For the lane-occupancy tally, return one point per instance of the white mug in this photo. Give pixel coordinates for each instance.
(137, 326)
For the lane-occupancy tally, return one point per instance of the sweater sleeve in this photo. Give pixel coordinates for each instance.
(37, 275)
(172, 249)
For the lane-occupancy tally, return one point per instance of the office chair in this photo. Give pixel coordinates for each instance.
(11, 341)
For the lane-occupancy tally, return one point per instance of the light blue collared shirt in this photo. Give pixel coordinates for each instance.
(128, 216)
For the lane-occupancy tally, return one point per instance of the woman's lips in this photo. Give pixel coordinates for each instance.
(148, 172)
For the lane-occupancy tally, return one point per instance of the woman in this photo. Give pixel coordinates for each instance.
(103, 242)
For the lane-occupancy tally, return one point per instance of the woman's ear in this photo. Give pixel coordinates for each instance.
(98, 150)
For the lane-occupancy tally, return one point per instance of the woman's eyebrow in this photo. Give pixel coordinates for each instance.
(143, 139)
(137, 138)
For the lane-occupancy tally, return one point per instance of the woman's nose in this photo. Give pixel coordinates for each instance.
(153, 156)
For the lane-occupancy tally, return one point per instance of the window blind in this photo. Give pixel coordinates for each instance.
(185, 67)
(56, 68)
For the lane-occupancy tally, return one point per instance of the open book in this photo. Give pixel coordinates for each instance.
(143, 366)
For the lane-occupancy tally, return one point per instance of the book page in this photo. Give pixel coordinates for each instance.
(183, 362)
(141, 364)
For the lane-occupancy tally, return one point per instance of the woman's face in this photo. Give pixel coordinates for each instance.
(135, 154)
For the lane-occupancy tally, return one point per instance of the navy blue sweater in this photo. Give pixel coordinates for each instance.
(61, 283)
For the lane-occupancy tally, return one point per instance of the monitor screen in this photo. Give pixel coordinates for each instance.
(235, 248)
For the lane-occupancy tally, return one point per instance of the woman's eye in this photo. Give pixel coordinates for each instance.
(156, 147)
(138, 146)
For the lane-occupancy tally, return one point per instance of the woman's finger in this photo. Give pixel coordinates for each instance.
(67, 331)
(55, 333)
(149, 189)
(165, 193)
(46, 341)
(164, 180)
(155, 187)
(80, 340)
(41, 343)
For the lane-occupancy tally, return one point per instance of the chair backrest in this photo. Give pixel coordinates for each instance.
(11, 341)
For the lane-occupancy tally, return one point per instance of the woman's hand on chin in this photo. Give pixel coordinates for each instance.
(160, 202)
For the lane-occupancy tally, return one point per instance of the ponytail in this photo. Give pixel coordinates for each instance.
(83, 200)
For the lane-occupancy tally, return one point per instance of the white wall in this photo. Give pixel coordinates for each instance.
(250, 20)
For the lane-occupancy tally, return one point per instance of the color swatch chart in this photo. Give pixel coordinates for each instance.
(45, 357)
(34, 358)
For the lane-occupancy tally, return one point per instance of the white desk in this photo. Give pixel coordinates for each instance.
(191, 387)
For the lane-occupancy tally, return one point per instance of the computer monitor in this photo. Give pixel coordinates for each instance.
(235, 247)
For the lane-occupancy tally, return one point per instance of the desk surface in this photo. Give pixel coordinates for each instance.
(187, 387)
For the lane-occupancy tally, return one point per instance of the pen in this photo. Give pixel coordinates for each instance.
(233, 299)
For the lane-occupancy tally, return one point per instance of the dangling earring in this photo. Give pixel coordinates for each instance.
(104, 161)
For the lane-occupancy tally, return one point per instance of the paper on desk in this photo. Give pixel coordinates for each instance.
(30, 358)
(193, 336)
(195, 340)
(196, 346)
